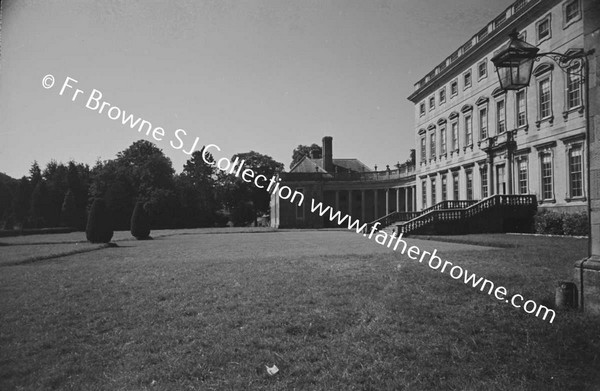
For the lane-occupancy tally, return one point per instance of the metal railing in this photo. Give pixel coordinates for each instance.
(450, 204)
(395, 217)
(384, 175)
(437, 215)
(392, 218)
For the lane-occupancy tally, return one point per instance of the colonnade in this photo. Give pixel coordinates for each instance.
(397, 199)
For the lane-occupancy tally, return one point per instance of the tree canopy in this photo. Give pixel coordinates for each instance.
(246, 201)
(197, 191)
(304, 150)
(200, 196)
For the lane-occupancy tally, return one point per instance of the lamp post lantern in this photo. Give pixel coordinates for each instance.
(514, 63)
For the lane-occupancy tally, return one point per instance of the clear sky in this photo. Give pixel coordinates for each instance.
(263, 75)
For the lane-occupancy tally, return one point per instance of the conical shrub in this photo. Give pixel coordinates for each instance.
(99, 225)
(140, 222)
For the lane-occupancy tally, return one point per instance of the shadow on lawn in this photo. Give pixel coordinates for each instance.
(46, 257)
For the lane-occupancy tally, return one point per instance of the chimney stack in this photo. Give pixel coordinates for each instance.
(328, 153)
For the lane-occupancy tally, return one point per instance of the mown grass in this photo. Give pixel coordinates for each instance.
(32, 248)
(332, 310)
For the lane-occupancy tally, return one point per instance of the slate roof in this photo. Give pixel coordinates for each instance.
(309, 165)
(353, 165)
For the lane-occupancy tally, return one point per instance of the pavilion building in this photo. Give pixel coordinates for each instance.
(347, 185)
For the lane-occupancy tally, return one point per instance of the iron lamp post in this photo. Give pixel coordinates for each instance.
(514, 65)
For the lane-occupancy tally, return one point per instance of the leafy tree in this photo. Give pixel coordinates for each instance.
(146, 167)
(35, 174)
(304, 150)
(412, 158)
(22, 202)
(150, 173)
(6, 199)
(140, 172)
(99, 226)
(55, 171)
(119, 198)
(261, 165)
(196, 187)
(162, 206)
(102, 175)
(68, 214)
(40, 205)
(35, 177)
(235, 197)
(243, 213)
(241, 195)
(55, 176)
(77, 176)
(8, 191)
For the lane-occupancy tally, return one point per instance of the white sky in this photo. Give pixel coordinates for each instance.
(263, 75)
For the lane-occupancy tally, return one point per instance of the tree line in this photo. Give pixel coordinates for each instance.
(60, 195)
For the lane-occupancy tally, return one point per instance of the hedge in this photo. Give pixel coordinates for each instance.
(555, 223)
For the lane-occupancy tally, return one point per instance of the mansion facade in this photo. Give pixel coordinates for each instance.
(475, 140)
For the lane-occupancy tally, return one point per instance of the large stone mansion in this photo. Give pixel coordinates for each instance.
(473, 140)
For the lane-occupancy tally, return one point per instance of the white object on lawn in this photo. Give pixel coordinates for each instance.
(273, 370)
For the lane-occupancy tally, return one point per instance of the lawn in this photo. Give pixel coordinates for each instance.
(332, 310)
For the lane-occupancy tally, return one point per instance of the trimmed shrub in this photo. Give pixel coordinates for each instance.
(140, 222)
(548, 222)
(99, 225)
(576, 224)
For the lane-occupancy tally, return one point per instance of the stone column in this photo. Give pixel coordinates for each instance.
(349, 202)
(387, 202)
(509, 174)
(398, 189)
(363, 209)
(492, 185)
(376, 215)
(414, 198)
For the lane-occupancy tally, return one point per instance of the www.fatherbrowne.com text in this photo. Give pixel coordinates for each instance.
(395, 242)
